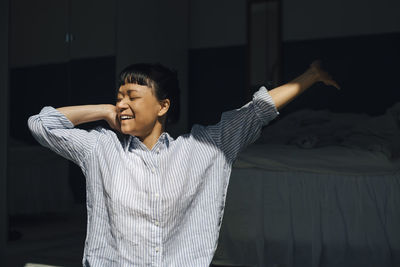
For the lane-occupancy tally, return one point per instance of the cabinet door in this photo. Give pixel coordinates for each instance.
(92, 24)
(37, 32)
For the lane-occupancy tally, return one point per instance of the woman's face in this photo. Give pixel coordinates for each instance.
(138, 109)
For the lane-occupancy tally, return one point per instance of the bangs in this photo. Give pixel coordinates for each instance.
(136, 78)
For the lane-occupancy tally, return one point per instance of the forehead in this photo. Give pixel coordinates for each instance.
(133, 87)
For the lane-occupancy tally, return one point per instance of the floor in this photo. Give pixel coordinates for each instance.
(48, 240)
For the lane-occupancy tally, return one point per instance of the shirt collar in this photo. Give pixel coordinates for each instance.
(163, 142)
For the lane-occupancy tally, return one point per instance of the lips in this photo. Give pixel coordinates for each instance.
(126, 117)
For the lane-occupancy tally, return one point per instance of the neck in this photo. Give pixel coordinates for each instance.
(151, 139)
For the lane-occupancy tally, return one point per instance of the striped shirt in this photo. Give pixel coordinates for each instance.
(158, 207)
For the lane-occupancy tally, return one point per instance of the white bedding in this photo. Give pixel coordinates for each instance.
(325, 142)
(329, 159)
(309, 129)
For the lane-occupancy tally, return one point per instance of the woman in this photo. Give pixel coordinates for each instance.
(153, 200)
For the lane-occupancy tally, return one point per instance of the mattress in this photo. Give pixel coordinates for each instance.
(316, 189)
(331, 206)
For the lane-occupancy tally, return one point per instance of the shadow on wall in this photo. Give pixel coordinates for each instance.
(366, 67)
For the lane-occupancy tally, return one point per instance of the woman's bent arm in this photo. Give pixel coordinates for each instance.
(55, 129)
(88, 113)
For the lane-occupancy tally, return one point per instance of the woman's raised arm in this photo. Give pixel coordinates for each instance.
(284, 94)
(88, 113)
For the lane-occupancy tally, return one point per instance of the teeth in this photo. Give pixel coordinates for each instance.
(125, 117)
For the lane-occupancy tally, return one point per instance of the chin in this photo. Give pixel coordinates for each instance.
(129, 131)
(126, 130)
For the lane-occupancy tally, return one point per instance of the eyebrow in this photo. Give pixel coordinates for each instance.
(128, 91)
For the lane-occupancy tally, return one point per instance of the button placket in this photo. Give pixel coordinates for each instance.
(155, 176)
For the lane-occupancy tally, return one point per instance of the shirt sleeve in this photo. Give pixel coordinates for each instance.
(241, 127)
(54, 130)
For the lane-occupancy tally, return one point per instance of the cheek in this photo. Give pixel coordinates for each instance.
(141, 114)
(146, 110)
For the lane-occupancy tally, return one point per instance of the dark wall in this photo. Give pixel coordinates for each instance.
(84, 81)
(77, 82)
(216, 82)
(366, 67)
(3, 126)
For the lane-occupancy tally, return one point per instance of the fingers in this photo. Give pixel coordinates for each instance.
(324, 75)
(333, 83)
(336, 85)
(117, 124)
(328, 80)
(316, 63)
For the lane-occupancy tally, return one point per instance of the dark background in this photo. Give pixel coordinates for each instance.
(68, 53)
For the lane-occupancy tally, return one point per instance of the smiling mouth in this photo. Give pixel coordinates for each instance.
(126, 117)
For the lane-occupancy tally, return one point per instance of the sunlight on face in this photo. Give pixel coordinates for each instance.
(138, 109)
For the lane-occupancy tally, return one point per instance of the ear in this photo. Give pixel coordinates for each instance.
(164, 104)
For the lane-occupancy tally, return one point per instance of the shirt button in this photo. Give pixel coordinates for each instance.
(157, 223)
(156, 195)
(157, 249)
(157, 150)
(153, 170)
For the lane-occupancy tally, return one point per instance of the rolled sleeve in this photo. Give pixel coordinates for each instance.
(54, 119)
(264, 106)
(240, 127)
(54, 130)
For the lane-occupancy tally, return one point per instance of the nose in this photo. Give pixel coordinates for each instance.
(122, 104)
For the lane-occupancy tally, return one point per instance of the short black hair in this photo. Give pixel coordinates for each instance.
(161, 79)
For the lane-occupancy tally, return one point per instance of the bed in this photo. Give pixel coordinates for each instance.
(317, 189)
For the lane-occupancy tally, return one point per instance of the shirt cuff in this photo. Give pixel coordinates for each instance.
(54, 119)
(264, 106)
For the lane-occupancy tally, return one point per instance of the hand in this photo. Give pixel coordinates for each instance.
(322, 75)
(112, 118)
